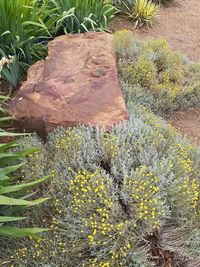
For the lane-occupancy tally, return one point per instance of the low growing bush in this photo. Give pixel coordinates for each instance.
(151, 69)
(112, 194)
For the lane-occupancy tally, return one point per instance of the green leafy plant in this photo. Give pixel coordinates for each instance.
(25, 28)
(142, 12)
(84, 15)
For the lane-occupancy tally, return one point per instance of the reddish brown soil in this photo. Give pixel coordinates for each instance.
(188, 123)
(180, 25)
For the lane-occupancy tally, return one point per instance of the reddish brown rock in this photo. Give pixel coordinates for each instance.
(76, 84)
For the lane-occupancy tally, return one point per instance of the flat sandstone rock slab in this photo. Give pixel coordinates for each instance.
(76, 84)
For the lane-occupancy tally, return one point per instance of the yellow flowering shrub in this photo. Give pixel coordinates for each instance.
(123, 42)
(152, 68)
(193, 72)
(112, 194)
(144, 73)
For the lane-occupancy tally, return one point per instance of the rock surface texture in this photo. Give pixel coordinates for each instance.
(76, 84)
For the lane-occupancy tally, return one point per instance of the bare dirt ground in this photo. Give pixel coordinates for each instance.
(188, 123)
(180, 25)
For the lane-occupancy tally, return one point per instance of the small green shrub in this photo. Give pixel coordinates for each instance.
(123, 43)
(144, 73)
(152, 67)
(111, 193)
(142, 12)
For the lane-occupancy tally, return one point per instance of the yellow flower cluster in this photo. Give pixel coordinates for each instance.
(156, 44)
(142, 187)
(92, 199)
(95, 202)
(169, 86)
(185, 159)
(92, 194)
(144, 73)
(188, 186)
(123, 41)
(40, 250)
(190, 189)
(71, 140)
(114, 256)
(111, 145)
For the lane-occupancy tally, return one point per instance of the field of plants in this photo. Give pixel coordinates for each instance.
(85, 196)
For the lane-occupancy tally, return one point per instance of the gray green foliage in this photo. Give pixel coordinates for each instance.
(111, 192)
(152, 74)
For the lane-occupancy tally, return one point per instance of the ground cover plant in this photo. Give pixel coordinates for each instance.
(152, 74)
(113, 195)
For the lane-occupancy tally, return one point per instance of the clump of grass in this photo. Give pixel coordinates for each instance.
(78, 16)
(142, 12)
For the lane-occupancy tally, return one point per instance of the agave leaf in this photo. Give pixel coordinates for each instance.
(5, 119)
(4, 134)
(15, 188)
(7, 170)
(3, 147)
(11, 219)
(20, 202)
(21, 232)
